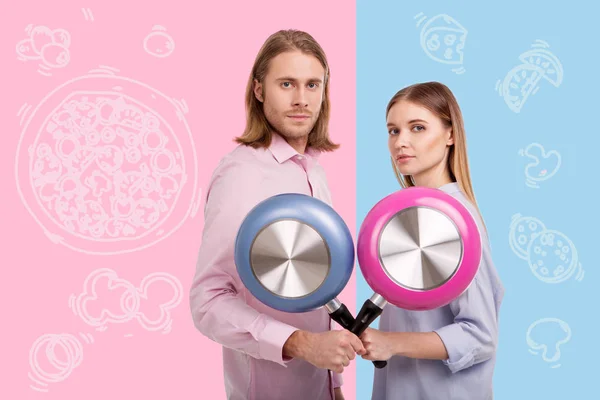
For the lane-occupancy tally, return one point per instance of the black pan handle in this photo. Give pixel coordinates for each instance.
(368, 313)
(343, 317)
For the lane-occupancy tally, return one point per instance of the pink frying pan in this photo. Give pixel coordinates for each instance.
(418, 249)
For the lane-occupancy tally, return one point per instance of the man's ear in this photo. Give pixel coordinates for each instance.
(258, 90)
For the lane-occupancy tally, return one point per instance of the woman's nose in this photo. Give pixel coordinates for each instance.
(401, 140)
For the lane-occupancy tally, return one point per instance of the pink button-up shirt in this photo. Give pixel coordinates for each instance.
(253, 334)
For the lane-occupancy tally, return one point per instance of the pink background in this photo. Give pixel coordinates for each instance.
(141, 352)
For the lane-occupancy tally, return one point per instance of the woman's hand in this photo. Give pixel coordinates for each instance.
(380, 346)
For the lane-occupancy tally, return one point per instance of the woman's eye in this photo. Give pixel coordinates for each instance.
(418, 128)
(313, 85)
(393, 131)
(286, 84)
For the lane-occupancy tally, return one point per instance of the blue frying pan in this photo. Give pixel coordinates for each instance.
(294, 253)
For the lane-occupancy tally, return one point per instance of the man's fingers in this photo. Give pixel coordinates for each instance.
(351, 355)
(357, 345)
(348, 350)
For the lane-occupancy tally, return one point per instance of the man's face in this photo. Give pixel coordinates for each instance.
(292, 93)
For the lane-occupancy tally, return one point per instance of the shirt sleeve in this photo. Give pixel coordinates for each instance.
(218, 307)
(336, 378)
(472, 338)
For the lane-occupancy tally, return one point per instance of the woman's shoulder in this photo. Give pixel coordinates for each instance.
(454, 190)
(487, 267)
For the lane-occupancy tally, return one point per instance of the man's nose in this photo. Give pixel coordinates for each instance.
(300, 98)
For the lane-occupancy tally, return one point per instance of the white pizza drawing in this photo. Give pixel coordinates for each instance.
(553, 257)
(520, 83)
(541, 57)
(522, 231)
(107, 165)
(523, 81)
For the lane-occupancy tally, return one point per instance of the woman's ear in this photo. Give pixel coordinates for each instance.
(258, 90)
(449, 137)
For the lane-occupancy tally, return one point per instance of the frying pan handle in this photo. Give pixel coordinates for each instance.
(343, 317)
(368, 313)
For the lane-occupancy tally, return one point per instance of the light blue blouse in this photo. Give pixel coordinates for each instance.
(468, 326)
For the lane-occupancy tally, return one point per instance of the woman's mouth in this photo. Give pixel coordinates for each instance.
(404, 158)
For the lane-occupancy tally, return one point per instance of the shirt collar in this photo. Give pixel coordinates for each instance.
(449, 187)
(282, 151)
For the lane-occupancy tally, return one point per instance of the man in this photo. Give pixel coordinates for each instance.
(269, 354)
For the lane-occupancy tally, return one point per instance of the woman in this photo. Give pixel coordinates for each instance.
(449, 352)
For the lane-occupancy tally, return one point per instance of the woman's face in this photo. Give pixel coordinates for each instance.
(418, 143)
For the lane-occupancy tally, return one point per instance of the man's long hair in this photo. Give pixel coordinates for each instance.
(258, 130)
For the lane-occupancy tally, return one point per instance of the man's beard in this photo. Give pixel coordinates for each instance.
(277, 123)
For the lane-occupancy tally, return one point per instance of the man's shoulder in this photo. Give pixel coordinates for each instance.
(237, 179)
(240, 161)
(243, 153)
(319, 167)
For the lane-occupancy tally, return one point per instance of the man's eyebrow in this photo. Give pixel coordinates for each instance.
(289, 78)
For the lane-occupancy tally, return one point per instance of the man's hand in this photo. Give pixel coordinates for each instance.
(380, 345)
(331, 350)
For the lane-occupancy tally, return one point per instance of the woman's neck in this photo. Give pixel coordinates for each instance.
(432, 180)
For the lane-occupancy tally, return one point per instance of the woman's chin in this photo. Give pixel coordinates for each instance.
(405, 170)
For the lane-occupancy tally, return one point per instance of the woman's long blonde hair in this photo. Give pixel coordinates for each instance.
(257, 132)
(439, 99)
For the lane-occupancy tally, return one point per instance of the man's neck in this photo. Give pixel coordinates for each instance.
(299, 144)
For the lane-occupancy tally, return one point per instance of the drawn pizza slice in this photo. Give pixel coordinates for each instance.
(519, 84)
(544, 59)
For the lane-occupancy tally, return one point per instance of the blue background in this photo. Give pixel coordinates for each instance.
(564, 118)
